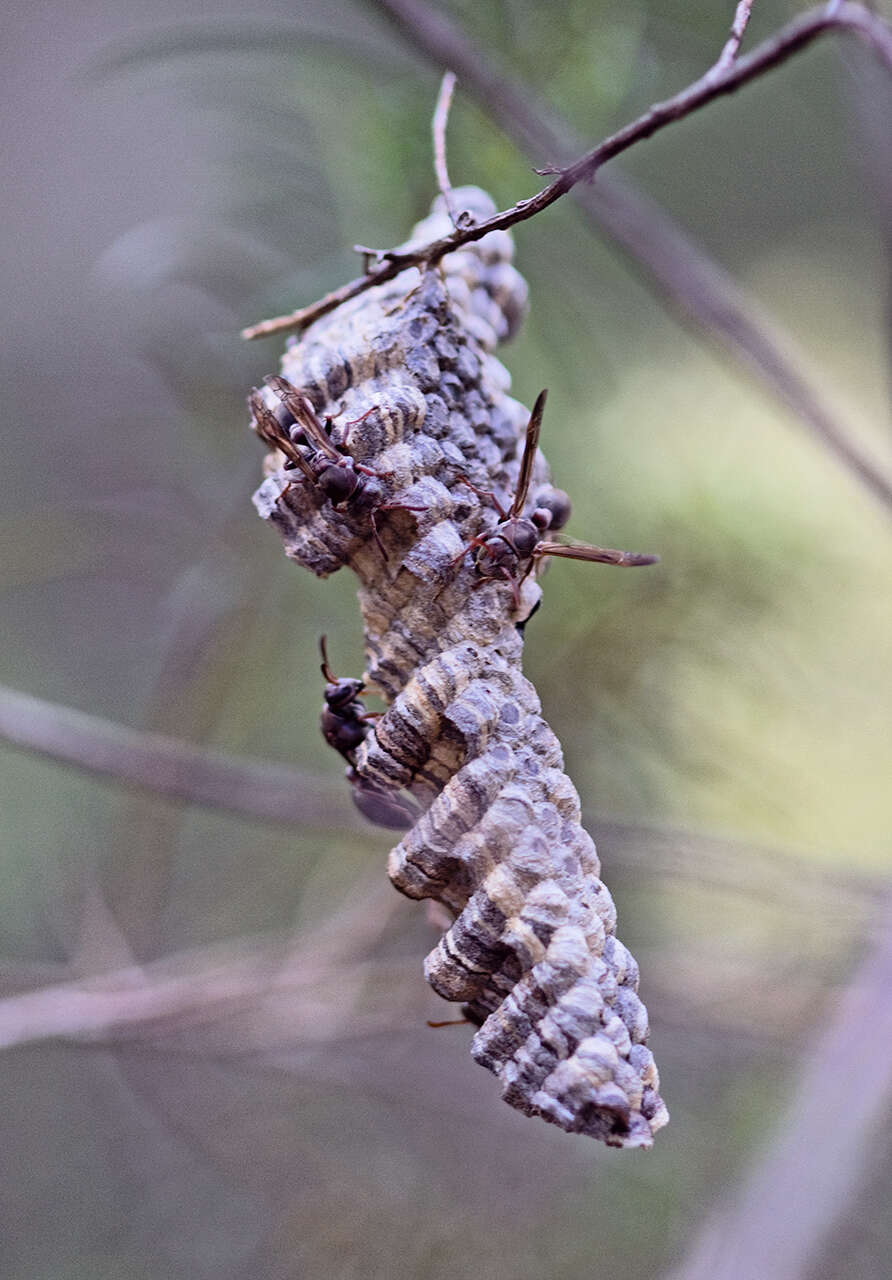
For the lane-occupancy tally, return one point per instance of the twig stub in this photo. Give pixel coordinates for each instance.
(438, 127)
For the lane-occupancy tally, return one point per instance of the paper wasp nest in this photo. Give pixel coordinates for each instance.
(532, 952)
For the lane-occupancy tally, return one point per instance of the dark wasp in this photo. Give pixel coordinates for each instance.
(344, 721)
(295, 425)
(345, 724)
(512, 549)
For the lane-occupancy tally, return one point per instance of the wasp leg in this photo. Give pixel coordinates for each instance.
(374, 523)
(485, 493)
(356, 421)
(479, 541)
(399, 506)
(389, 506)
(527, 571)
(513, 584)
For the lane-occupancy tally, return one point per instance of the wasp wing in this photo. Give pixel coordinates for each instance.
(531, 444)
(586, 551)
(386, 809)
(304, 414)
(268, 429)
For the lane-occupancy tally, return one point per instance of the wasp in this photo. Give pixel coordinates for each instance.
(330, 468)
(517, 543)
(344, 721)
(345, 724)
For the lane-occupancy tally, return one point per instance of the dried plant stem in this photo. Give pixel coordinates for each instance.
(738, 27)
(441, 116)
(702, 292)
(715, 83)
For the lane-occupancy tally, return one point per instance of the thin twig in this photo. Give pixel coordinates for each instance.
(771, 53)
(738, 26)
(701, 291)
(438, 127)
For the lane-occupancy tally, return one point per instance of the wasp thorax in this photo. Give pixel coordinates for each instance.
(338, 482)
(369, 495)
(524, 536)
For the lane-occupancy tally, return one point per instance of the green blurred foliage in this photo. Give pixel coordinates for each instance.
(197, 173)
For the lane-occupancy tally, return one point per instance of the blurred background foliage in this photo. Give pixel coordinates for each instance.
(175, 171)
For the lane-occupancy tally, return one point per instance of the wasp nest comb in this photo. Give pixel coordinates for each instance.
(422, 430)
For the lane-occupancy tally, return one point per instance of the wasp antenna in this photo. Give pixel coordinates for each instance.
(531, 443)
(325, 668)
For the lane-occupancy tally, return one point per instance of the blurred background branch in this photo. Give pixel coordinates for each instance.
(247, 992)
(267, 791)
(797, 1195)
(171, 767)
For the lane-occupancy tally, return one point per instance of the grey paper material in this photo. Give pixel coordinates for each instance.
(532, 951)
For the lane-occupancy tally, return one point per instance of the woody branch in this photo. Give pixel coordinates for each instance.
(722, 78)
(700, 292)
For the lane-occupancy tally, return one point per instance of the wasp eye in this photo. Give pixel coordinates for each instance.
(557, 502)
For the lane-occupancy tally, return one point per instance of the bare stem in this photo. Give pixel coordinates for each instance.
(438, 126)
(773, 52)
(738, 26)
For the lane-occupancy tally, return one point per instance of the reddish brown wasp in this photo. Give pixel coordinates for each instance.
(330, 468)
(279, 430)
(513, 548)
(345, 724)
(344, 721)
